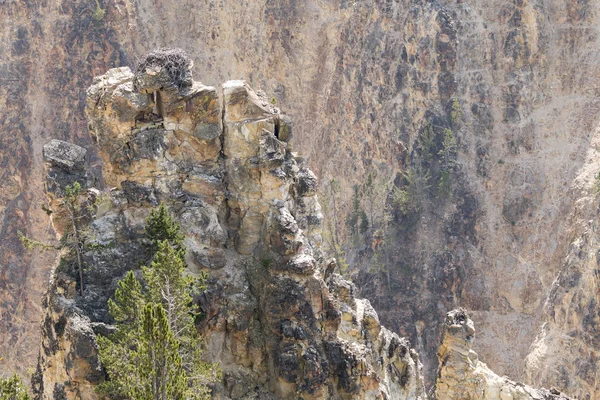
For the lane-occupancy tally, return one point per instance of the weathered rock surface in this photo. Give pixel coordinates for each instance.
(250, 213)
(461, 376)
(68, 357)
(363, 78)
(565, 351)
(65, 156)
(65, 165)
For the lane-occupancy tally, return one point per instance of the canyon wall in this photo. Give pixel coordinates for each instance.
(373, 86)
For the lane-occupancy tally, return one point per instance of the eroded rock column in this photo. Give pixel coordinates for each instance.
(461, 376)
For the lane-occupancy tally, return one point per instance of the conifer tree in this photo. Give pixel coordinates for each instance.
(161, 226)
(158, 313)
(167, 285)
(158, 358)
(13, 389)
(126, 307)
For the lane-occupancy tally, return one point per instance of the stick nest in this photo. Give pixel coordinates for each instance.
(175, 62)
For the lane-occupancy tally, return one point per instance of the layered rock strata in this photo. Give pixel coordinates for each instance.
(279, 320)
(462, 376)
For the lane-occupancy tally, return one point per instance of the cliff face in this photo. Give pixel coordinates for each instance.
(567, 342)
(279, 321)
(461, 376)
(514, 82)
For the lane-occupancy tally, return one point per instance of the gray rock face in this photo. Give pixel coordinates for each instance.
(64, 155)
(66, 332)
(66, 165)
(307, 182)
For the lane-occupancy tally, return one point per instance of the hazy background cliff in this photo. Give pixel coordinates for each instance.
(373, 87)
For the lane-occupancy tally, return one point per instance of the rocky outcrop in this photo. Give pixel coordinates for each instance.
(362, 78)
(461, 376)
(279, 321)
(68, 363)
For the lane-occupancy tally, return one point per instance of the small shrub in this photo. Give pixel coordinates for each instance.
(99, 13)
(266, 262)
(456, 113)
(13, 389)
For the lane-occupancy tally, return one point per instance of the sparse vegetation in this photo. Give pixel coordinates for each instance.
(72, 210)
(357, 220)
(447, 157)
(376, 192)
(382, 247)
(266, 262)
(427, 142)
(432, 166)
(410, 196)
(448, 152)
(331, 234)
(98, 13)
(456, 113)
(444, 185)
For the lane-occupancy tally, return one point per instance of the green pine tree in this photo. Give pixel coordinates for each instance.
(144, 363)
(161, 226)
(166, 284)
(160, 312)
(13, 389)
(126, 307)
(158, 356)
(364, 222)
